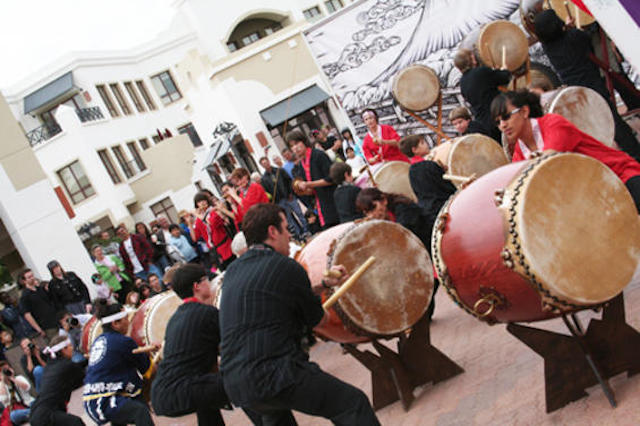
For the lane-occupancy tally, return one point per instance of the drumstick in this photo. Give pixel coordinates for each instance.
(368, 169)
(456, 178)
(504, 57)
(348, 283)
(566, 6)
(429, 125)
(577, 11)
(143, 349)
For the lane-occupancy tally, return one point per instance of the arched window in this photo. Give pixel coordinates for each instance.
(253, 28)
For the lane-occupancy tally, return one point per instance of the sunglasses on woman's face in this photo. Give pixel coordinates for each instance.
(506, 116)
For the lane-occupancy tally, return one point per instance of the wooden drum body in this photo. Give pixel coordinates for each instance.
(416, 87)
(90, 331)
(391, 176)
(537, 238)
(472, 154)
(391, 296)
(149, 322)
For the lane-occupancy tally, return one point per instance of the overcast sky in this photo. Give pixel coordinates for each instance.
(34, 33)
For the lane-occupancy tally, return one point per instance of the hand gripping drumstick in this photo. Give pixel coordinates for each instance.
(144, 349)
(348, 283)
(456, 178)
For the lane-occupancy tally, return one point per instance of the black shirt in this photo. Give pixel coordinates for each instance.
(284, 183)
(59, 378)
(431, 190)
(38, 303)
(319, 165)
(477, 127)
(345, 197)
(190, 351)
(479, 86)
(266, 308)
(69, 289)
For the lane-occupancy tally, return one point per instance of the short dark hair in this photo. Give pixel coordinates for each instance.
(349, 149)
(337, 171)
(548, 26)
(297, 136)
(185, 276)
(463, 60)
(104, 309)
(262, 158)
(22, 273)
(258, 219)
(240, 172)
(366, 197)
(408, 143)
(201, 196)
(310, 213)
(460, 112)
(152, 275)
(518, 99)
(174, 226)
(61, 314)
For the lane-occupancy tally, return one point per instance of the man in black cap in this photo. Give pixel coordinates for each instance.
(67, 290)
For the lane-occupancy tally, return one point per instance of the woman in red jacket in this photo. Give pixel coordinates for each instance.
(520, 118)
(250, 193)
(381, 142)
(207, 227)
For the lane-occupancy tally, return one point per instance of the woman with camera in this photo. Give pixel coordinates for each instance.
(14, 396)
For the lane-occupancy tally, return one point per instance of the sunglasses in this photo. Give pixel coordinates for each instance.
(506, 116)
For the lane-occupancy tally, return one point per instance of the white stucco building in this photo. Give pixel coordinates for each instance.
(123, 136)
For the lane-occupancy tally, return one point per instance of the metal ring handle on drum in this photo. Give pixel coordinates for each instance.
(491, 301)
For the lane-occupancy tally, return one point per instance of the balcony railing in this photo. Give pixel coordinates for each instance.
(43, 133)
(89, 114)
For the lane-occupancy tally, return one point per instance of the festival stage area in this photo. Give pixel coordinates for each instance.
(503, 382)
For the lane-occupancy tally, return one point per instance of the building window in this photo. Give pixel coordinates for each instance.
(333, 5)
(232, 46)
(251, 38)
(133, 149)
(108, 102)
(144, 143)
(124, 164)
(145, 95)
(188, 129)
(134, 96)
(312, 14)
(124, 106)
(166, 88)
(165, 207)
(76, 182)
(270, 30)
(108, 164)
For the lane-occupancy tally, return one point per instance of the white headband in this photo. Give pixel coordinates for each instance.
(51, 350)
(114, 317)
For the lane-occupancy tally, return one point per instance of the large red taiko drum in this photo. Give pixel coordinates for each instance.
(534, 239)
(150, 320)
(390, 297)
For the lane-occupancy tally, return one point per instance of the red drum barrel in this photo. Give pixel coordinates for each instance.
(90, 331)
(534, 239)
(149, 322)
(391, 296)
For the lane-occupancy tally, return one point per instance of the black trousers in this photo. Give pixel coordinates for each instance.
(318, 394)
(135, 412)
(46, 417)
(633, 185)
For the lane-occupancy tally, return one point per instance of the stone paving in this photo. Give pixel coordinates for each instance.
(503, 382)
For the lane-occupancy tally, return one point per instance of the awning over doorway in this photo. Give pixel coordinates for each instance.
(217, 151)
(296, 104)
(48, 93)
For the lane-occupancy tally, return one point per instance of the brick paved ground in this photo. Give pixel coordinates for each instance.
(502, 384)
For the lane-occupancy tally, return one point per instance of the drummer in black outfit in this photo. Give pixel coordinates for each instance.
(346, 192)
(267, 304)
(186, 381)
(568, 50)
(479, 85)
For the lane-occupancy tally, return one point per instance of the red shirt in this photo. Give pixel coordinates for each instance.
(255, 194)
(386, 152)
(215, 235)
(560, 135)
(416, 159)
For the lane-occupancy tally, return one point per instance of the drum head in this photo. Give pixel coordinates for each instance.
(416, 87)
(475, 154)
(160, 310)
(581, 18)
(393, 177)
(394, 293)
(586, 109)
(578, 228)
(528, 11)
(502, 35)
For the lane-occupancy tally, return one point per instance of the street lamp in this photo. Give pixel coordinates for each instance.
(88, 230)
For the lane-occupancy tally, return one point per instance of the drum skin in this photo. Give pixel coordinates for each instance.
(150, 320)
(538, 249)
(416, 87)
(391, 177)
(530, 8)
(498, 35)
(391, 296)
